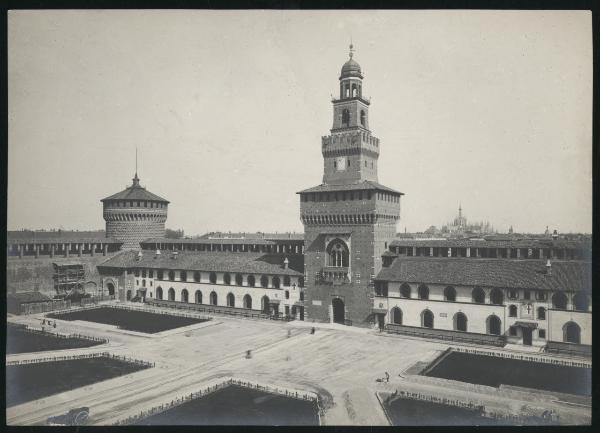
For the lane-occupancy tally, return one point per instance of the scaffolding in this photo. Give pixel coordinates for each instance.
(69, 279)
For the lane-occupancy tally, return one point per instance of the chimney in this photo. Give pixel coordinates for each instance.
(157, 254)
(286, 262)
(548, 267)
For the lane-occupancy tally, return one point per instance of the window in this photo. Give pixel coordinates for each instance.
(143, 273)
(450, 294)
(198, 297)
(143, 283)
(197, 276)
(540, 295)
(478, 295)
(496, 297)
(264, 281)
(513, 294)
(172, 275)
(362, 117)
(337, 254)
(239, 279)
(301, 281)
(526, 294)
(512, 311)
(381, 288)
(227, 278)
(541, 313)
(183, 276)
(580, 302)
(571, 333)
(251, 281)
(286, 281)
(230, 300)
(159, 293)
(151, 273)
(302, 295)
(213, 298)
(423, 292)
(136, 272)
(212, 278)
(405, 290)
(160, 275)
(559, 301)
(512, 331)
(542, 333)
(184, 295)
(171, 294)
(287, 294)
(276, 282)
(345, 117)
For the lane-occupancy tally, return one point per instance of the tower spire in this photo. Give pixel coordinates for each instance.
(351, 47)
(136, 179)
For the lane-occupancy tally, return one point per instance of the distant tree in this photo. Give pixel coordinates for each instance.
(174, 234)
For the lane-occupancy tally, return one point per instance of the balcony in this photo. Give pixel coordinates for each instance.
(334, 275)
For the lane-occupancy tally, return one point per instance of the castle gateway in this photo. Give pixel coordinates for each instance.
(350, 218)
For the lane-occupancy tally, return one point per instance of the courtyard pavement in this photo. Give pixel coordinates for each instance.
(341, 364)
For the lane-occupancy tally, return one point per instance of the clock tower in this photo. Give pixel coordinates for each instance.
(350, 218)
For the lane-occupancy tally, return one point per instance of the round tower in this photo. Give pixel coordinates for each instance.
(134, 215)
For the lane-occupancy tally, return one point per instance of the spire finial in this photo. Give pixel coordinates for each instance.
(351, 47)
(136, 179)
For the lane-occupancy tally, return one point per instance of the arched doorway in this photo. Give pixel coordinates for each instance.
(198, 297)
(427, 319)
(171, 294)
(247, 301)
(213, 298)
(460, 322)
(111, 289)
(396, 316)
(159, 293)
(264, 304)
(230, 300)
(339, 313)
(184, 295)
(494, 325)
(128, 295)
(571, 333)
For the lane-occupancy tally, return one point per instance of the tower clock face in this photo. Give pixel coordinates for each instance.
(341, 163)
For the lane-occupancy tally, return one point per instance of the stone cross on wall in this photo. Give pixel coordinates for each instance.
(528, 307)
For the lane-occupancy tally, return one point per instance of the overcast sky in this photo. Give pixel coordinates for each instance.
(489, 109)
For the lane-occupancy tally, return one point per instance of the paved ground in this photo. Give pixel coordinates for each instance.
(340, 363)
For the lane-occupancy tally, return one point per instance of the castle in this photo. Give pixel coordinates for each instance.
(348, 267)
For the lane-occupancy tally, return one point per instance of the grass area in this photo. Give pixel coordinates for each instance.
(20, 340)
(494, 371)
(415, 412)
(132, 320)
(235, 405)
(33, 381)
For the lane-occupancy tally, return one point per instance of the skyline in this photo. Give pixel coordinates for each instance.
(228, 128)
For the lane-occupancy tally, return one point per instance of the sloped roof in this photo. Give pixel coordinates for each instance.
(27, 297)
(365, 185)
(135, 192)
(252, 263)
(518, 274)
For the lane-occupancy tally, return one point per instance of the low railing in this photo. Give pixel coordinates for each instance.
(139, 362)
(446, 335)
(26, 328)
(213, 309)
